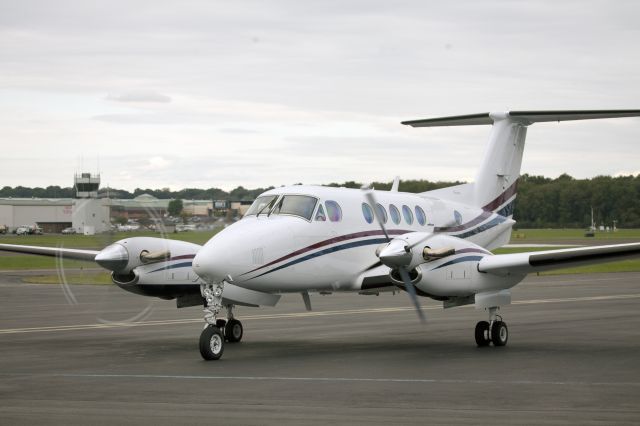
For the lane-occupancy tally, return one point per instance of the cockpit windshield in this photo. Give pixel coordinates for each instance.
(296, 205)
(261, 205)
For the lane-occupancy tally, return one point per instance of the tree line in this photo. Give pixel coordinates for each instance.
(563, 202)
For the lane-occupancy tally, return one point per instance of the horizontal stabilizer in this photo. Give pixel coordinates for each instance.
(527, 117)
(51, 251)
(522, 263)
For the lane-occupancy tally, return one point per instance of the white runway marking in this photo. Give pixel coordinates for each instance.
(320, 379)
(298, 315)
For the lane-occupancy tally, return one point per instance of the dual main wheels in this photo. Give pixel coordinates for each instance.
(498, 333)
(213, 337)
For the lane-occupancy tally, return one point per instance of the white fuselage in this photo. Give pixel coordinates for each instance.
(288, 253)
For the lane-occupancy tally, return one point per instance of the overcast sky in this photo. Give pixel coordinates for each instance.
(256, 93)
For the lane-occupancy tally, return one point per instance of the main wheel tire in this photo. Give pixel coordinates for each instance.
(233, 331)
(211, 343)
(482, 334)
(220, 323)
(499, 333)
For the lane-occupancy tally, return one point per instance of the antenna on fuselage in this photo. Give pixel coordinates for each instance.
(396, 184)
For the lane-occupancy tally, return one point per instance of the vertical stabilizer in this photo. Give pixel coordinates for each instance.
(496, 182)
(495, 186)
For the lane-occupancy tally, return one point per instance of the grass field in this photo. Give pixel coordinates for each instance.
(553, 235)
(94, 278)
(76, 268)
(100, 241)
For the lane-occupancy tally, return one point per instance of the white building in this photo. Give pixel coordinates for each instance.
(51, 214)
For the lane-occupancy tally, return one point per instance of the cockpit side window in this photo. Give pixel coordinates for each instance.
(320, 216)
(261, 205)
(296, 205)
(334, 211)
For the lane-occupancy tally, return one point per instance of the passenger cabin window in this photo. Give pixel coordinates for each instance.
(367, 212)
(296, 205)
(394, 213)
(382, 213)
(408, 216)
(420, 216)
(261, 205)
(334, 211)
(320, 216)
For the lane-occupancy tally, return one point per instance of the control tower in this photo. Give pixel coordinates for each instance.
(86, 185)
(89, 213)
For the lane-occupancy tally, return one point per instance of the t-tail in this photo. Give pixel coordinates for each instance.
(495, 186)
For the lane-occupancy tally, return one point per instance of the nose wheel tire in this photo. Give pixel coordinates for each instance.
(211, 343)
(483, 337)
(499, 333)
(233, 331)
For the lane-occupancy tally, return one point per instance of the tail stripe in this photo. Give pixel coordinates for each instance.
(502, 198)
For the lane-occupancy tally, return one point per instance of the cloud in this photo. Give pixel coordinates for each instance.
(318, 99)
(626, 173)
(144, 118)
(156, 163)
(139, 96)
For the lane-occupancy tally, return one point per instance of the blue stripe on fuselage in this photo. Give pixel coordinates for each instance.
(494, 222)
(333, 249)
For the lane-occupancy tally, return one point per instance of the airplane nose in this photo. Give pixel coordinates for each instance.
(209, 264)
(114, 257)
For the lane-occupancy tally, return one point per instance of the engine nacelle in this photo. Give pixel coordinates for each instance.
(443, 266)
(124, 257)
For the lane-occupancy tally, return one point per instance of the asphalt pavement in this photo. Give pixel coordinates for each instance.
(98, 355)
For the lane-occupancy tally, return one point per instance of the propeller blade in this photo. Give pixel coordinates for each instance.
(372, 200)
(412, 293)
(375, 265)
(420, 241)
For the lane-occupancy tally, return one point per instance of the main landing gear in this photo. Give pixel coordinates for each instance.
(217, 331)
(493, 331)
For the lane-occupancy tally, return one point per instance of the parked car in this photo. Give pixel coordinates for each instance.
(23, 230)
(69, 231)
(3, 229)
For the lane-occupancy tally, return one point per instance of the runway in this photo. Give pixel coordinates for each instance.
(99, 355)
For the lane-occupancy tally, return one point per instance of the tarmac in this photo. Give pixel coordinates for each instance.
(98, 355)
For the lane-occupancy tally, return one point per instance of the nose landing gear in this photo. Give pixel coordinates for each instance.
(211, 343)
(217, 331)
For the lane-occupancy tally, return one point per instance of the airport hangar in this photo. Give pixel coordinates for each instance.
(88, 214)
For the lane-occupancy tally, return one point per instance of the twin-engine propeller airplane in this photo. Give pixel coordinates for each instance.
(300, 239)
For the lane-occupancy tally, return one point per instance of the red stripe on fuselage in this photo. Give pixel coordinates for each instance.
(331, 241)
(488, 210)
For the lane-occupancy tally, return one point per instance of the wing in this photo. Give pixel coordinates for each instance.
(52, 251)
(523, 263)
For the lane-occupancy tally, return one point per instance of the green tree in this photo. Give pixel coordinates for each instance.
(175, 207)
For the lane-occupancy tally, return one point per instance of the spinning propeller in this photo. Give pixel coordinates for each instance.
(396, 255)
